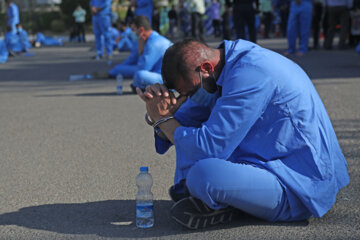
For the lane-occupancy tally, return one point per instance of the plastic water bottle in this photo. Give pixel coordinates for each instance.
(144, 199)
(78, 77)
(119, 84)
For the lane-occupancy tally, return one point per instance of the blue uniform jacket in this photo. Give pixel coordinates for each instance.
(105, 6)
(12, 41)
(13, 14)
(154, 50)
(269, 115)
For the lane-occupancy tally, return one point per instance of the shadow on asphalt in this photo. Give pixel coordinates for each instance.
(112, 218)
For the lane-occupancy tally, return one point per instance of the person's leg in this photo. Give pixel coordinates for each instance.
(97, 33)
(142, 78)
(251, 26)
(105, 29)
(127, 71)
(200, 26)
(305, 26)
(331, 28)
(344, 23)
(292, 28)
(256, 191)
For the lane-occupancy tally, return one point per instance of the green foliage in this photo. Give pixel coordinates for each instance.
(57, 25)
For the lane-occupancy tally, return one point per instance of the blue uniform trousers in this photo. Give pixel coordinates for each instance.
(256, 191)
(101, 25)
(299, 23)
(127, 70)
(143, 78)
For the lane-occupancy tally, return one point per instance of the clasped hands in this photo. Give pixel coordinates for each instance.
(160, 102)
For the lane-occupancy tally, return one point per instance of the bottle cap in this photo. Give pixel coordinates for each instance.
(144, 169)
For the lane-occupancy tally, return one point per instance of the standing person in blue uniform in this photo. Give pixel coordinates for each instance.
(144, 65)
(101, 19)
(299, 25)
(143, 8)
(249, 135)
(13, 17)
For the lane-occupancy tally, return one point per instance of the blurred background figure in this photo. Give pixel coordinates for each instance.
(282, 6)
(197, 9)
(299, 25)
(244, 16)
(266, 11)
(23, 37)
(227, 22)
(4, 53)
(214, 12)
(173, 21)
(126, 39)
(101, 19)
(143, 8)
(129, 14)
(355, 24)
(41, 39)
(12, 16)
(12, 42)
(338, 11)
(316, 22)
(79, 14)
(184, 18)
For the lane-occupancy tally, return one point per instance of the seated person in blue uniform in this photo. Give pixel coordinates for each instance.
(41, 39)
(4, 53)
(114, 34)
(126, 39)
(250, 133)
(12, 41)
(24, 38)
(144, 65)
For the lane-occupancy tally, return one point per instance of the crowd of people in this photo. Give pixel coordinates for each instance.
(250, 131)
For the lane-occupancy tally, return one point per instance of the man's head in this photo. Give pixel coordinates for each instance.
(186, 63)
(140, 25)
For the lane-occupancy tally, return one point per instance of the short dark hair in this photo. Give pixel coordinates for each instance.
(176, 60)
(141, 21)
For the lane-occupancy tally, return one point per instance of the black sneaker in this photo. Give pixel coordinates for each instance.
(193, 213)
(179, 191)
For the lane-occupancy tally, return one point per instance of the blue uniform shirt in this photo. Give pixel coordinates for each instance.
(4, 54)
(12, 41)
(13, 15)
(154, 50)
(269, 115)
(105, 6)
(144, 8)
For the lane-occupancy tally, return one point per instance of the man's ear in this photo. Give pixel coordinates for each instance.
(207, 67)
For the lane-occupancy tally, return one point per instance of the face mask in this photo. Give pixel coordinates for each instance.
(203, 97)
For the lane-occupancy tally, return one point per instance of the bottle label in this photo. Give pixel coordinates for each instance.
(144, 210)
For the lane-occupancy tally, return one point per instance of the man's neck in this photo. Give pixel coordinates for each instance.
(220, 62)
(147, 34)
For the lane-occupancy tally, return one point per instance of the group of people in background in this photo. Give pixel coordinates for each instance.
(16, 40)
(224, 19)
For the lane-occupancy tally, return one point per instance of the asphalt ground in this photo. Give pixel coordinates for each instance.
(70, 152)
